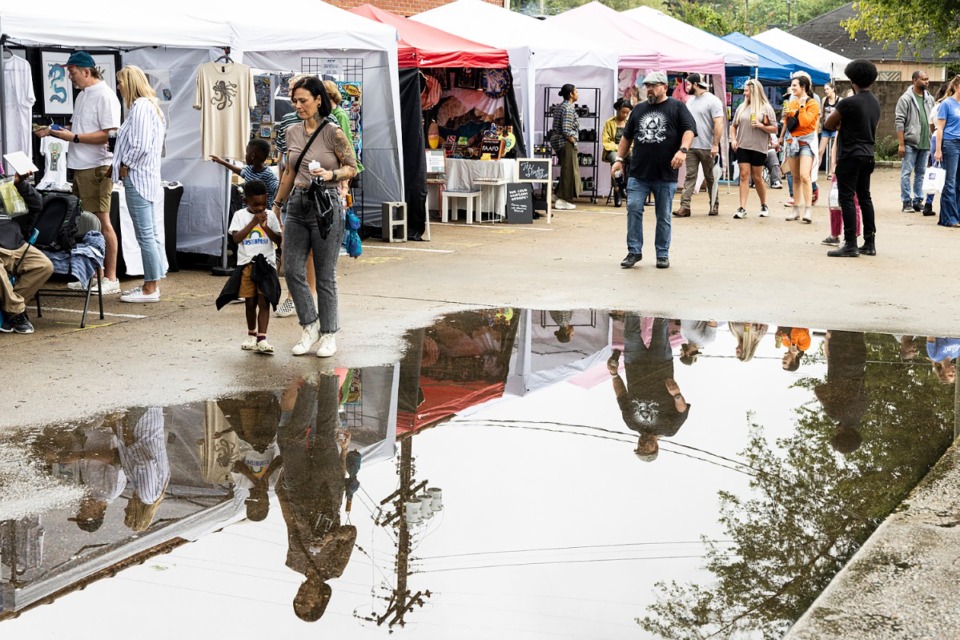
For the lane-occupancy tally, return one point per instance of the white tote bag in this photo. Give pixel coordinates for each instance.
(934, 179)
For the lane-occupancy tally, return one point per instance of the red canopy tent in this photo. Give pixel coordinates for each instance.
(424, 46)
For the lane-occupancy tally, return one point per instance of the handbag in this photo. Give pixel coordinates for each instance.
(793, 123)
(934, 179)
(352, 242)
(318, 192)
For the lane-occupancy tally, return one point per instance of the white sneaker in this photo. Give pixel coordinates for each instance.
(563, 204)
(249, 344)
(113, 286)
(311, 333)
(137, 295)
(741, 213)
(328, 345)
(286, 309)
(81, 286)
(263, 347)
(764, 211)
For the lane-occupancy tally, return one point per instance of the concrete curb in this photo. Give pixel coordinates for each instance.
(903, 582)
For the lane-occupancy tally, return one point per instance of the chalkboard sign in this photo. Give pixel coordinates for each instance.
(533, 169)
(491, 148)
(519, 203)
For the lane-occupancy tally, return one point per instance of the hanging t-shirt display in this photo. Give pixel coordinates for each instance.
(225, 95)
(18, 100)
(54, 152)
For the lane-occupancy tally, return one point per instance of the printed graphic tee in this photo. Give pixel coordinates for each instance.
(54, 152)
(656, 131)
(256, 242)
(225, 95)
(18, 100)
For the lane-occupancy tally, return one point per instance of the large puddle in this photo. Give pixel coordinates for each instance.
(519, 474)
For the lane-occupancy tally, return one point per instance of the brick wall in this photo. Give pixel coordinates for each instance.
(887, 94)
(404, 8)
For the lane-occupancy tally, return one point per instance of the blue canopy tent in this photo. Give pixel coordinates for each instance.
(775, 66)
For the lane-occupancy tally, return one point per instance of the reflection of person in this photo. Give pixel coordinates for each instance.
(143, 456)
(564, 330)
(650, 402)
(564, 137)
(333, 160)
(21, 545)
(942, 352)
(28, 267)
(136, 162)
(663, 130)
(843, 395)
(696, 334)
(797, 341)
(748, 338)
(96, 112)
(311, 490)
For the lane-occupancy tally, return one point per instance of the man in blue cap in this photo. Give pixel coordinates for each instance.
(660, 131)
(96, 112)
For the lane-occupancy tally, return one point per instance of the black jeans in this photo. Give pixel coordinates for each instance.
(853, 178)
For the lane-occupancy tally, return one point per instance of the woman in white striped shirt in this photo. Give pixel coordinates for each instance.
(136, 161)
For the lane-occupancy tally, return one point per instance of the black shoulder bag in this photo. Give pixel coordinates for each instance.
(318, 193)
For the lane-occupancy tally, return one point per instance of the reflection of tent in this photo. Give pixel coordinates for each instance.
(779, 57)
(821, 59)
(540, 55)
(679, 30)
(422, 46)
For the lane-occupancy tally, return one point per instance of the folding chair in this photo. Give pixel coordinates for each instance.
(51, 219)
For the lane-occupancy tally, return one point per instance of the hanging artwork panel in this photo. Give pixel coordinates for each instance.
(57, 88)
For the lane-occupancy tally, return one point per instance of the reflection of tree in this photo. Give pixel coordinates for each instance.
(810, 508)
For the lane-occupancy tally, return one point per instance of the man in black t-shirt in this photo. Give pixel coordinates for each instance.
(859, 116)
(660, 131)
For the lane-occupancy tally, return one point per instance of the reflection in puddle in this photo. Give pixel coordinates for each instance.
(587, 473)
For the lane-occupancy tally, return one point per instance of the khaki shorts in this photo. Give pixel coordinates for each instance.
(93, 187)
(248, 288)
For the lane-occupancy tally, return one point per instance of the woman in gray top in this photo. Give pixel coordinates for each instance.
(328, 159)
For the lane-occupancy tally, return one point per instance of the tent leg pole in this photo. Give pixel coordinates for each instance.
(3, 86)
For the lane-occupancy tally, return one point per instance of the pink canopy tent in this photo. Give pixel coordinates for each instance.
(640, 46)
(422, 46)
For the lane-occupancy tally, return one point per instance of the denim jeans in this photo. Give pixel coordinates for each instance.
(949, 209)
(145, 228)
(301, 235)
(915, 161)
(853, 179)
(637, 191)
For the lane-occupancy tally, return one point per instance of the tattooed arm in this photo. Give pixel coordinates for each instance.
(345, 154)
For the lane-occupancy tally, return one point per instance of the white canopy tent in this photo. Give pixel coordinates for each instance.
(679, 30)
(816, 56)
(540, 56)
(174, 42)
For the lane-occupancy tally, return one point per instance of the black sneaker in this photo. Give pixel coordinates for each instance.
(848, 250)
(832, 241)
(631, 259)
(907, 207)
(663, 262)
(7, 325)
(928, 209)
(916, 206)
(21, 323)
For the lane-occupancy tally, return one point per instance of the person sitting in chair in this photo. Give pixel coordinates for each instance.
(23, 268)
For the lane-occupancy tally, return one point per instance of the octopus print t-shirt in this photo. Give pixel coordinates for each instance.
(655, 131)
(225, 95)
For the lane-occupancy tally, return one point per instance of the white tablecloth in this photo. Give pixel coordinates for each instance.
(131, 248)
(462, 173)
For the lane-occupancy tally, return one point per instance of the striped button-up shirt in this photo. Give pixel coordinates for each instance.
(145, 459)
(139, 145)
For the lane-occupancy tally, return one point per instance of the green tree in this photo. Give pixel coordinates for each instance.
(708, 17)
(912, 24)
(810, 508)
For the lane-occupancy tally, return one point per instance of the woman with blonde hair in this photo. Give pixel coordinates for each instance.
(753, 123)
(748, 338)
(136, 162)
(801, 118)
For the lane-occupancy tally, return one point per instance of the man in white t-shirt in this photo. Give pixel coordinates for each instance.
(96, 113)
(707, 111)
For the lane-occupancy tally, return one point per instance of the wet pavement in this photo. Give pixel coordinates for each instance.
(518, 472)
